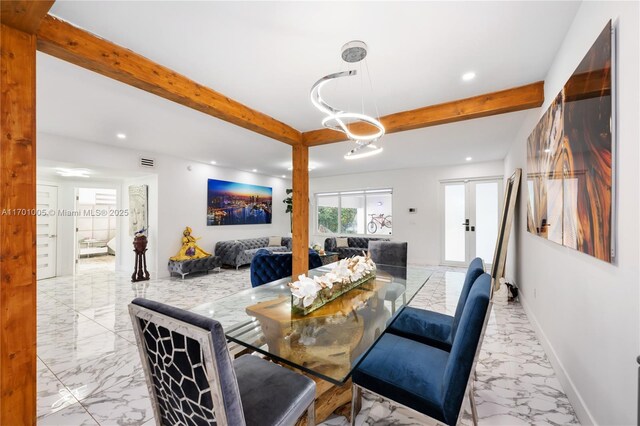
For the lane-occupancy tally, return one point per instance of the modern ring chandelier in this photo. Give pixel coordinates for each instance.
(350, 123)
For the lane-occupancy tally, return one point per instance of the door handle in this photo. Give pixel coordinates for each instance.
(52, 236)
(466, 223)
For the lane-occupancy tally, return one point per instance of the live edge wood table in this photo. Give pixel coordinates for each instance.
(326, 344)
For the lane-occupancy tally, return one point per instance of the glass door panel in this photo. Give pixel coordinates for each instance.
(455, 245)
(471, 218)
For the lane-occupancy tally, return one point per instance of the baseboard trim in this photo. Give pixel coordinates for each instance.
(579, 406)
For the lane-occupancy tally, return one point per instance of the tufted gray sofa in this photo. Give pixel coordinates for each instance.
(356, 246)
(240, 252)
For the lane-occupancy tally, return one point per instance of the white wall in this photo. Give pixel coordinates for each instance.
(181, 196)
(587, 311)
(419, 188)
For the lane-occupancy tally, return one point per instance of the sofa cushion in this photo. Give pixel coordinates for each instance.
(275, 241)
(342, 242)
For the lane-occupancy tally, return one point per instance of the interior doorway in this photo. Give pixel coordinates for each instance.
(470, 218)
(46, 224)
(95, 230)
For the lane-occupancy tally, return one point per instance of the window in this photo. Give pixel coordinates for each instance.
(355, 212)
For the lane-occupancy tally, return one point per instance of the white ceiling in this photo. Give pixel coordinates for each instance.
(268, 54)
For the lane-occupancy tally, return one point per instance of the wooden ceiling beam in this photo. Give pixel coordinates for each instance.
(67, 42)
(24, 15)
(504, 101)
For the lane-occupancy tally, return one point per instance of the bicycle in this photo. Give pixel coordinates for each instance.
(378, 220)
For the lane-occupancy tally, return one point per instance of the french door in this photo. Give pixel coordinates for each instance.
(46, 201)
(471, 214)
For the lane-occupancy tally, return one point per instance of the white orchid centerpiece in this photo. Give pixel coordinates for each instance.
(335, 282)
(306, 289)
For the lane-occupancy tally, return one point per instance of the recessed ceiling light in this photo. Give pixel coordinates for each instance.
(213, 162)
(468, 159)
(468, 76)
(284, 176)
(254, 170)
(121, 136)
(73, 172)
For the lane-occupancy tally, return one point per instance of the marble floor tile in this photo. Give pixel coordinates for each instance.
(93, 376)
(52, 396)
(73, 415)
(90, 371)
(127, 403)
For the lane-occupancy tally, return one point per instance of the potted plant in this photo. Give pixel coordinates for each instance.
(289, 202)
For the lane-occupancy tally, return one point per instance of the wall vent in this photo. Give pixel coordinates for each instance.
(147, 162)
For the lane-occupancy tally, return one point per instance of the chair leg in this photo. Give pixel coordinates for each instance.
(311, 414)
(474, 411)
(404, 298)
(356, 402)
(393, 307)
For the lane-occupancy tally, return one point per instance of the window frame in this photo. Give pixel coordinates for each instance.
(340, 194)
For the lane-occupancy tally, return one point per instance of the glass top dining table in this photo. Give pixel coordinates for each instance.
(328, 342)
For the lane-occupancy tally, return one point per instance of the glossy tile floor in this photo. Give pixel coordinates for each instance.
(89, 372)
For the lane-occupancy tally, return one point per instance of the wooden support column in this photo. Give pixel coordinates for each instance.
(17, 227)
(300, 231)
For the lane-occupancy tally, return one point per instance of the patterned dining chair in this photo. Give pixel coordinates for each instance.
(192, 379)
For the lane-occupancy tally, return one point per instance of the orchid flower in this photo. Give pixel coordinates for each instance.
(306, 289)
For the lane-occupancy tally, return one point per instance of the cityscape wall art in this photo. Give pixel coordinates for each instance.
(232, 203)
(570, 159)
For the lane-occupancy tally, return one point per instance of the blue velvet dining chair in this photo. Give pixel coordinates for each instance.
(434, 328)
(267, 266)
(192, 379)
(424, 378)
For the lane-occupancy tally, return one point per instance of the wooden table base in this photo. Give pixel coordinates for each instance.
(330, 398)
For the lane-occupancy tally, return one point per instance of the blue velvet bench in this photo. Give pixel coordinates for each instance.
(184, 267)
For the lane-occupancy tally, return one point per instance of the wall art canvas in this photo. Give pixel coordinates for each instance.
(138, 205)
(544, 165)
(232, 203)
(570, 159)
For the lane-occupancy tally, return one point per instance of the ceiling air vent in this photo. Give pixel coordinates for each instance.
(147, 162)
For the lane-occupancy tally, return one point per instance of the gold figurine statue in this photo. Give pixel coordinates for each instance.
(190, 249)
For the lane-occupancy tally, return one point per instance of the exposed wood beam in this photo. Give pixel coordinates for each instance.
(17, 227)
(300, 225)
(64, 41)
(510, 100)
(24, 15)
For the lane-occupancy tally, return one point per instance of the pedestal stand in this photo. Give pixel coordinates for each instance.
(140, 272)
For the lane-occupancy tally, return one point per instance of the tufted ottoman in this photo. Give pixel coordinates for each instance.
(185, 267)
